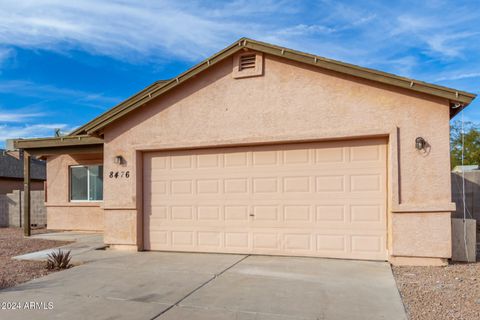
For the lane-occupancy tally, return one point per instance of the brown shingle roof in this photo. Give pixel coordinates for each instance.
(12, 167)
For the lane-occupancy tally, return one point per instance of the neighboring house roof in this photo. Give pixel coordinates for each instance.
(11, 166)
(466, 168)
(456, 97)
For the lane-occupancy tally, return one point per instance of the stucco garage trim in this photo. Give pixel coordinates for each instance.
(391, 163)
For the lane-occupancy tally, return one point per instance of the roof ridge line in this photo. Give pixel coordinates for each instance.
(157, 88)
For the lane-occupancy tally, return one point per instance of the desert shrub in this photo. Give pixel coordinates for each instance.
(59, 260)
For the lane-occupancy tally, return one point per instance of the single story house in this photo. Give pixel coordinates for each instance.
(262, 149)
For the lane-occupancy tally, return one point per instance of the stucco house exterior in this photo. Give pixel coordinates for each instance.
(264, 150)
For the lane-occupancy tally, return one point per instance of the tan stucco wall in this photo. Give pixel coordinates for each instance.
(61, 213)
(408, 228)
(292, 102)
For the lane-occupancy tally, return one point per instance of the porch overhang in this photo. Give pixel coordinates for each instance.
(42, 147)
(79, 144)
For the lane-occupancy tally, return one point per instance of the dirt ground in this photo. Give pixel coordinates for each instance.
(451, 292)
(12, 243)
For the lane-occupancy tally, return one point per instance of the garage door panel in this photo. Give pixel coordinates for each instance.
(266, 241)
(331, 243)
(365, 182)
(205, 161)
(182, 239)
(235, 213)
(366, 213)
(330, 183)
(330, 213)
(294, 214)
(209, 213)
(237, 241)
(209, 239)
(181, 162)
(370, 153)
(265, 158)
(235, 185)
(313, 199)
(297, 214)
(279, 242)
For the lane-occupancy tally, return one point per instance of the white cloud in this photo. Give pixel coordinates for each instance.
(25, 123)
(140, 30)
(31, 131)
(48, 92)
(449, 45)
(412, 24)
(438, 35)
(404, 65)
(115, 28)
(459, 76)
(158, 30)
(28, 88)
(303, 30)
(18, 116)
(245, 8)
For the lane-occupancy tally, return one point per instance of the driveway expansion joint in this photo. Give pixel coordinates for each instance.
(215, 276)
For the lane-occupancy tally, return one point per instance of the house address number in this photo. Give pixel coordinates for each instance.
(119, 174)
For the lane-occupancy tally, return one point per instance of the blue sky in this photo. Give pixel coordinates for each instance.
(64, 62)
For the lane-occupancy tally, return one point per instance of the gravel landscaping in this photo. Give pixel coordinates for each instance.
(451, 292)
(12, 243)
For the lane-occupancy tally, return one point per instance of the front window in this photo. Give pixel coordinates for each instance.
(86, 183)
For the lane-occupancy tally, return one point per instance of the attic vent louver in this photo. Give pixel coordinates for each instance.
(247, 62)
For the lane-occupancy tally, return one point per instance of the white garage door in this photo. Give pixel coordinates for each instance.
(324, 199)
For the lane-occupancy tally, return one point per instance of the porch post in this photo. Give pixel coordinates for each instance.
(26, 194)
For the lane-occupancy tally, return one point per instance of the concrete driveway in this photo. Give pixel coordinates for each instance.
(160, 285)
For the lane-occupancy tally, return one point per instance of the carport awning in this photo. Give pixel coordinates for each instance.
(61, 145)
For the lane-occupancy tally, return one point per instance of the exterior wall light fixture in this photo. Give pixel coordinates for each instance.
(119, 160)
(420, 143)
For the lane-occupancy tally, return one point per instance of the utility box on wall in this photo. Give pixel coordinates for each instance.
(464, 240)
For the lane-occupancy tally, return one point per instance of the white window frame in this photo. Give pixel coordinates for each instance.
(88, 166)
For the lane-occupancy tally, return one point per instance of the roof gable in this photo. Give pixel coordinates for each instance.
(456, 97)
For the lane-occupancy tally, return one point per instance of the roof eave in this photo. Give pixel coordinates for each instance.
(456, 107)
(81, 130)
(153, 91)
(55, 142)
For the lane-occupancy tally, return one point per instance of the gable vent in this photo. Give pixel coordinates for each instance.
(247, 62)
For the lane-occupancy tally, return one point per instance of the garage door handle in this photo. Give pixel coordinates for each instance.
(251, 215)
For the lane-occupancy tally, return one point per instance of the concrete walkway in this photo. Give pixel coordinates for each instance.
(82, 243)
(161, 285)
